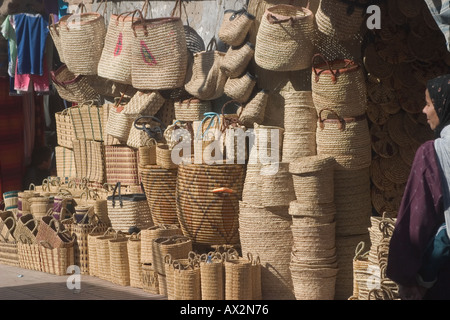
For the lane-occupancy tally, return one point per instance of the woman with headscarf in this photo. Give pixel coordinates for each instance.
(419, 252)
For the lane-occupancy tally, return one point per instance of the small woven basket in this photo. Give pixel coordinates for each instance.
(237, 59)
(235, 26)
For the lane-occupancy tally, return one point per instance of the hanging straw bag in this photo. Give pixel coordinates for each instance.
(128, 210)
(146, 130)
(254, 110)
(82, 38)
(191, 109)
(208, 80)
(236, 60)
(284, 41)
(64, 129)
(340, 19)
(235, 26)
(241, 88)
(119, 123)
(159, 53)
(72, 87)
(339, 85)
(65, 162)
(87, 120)
(115, 60)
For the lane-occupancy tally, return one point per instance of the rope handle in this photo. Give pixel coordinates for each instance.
(139, 20)
(230, 121)
(106, 6)
(13, 227)
(109, 231)
(212, 44)
(359, 251)
(339, 118)
(178, 5)
(168, 259)
(317, 74)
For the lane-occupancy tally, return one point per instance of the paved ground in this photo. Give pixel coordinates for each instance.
(23, 284)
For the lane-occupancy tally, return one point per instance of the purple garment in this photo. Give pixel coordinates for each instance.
(419, 216)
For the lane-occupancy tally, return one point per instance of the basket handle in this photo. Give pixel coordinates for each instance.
(212, 44)
(334, 74)
(178, 5)
(14, 226)
(118, 186)
(106, 6)
(151, 132)
(227, 122)
(140, 19)
(223, 190)
(32, 187)
(340, 119)
(46, 245)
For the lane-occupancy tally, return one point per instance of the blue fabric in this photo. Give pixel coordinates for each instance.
(63, 6)
(31, 34)
(436, 255)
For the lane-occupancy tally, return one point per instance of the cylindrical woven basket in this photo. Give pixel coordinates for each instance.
(150, 281)
(191, 109)
(118, 255)
(159, 54)
(212, 275)
(339, 85)
(240, 88)
(254, 110)
(238, 279)
(237, 59)
(146, 103)
(119, 124)
(147, 155)
(345, 139)
(300, 114)
(186, 280)
(155, 232)
(340, 19)
(134, 260)
(72, 87)
(235, 26)
(313, 178)
(160, 189)
(82, 37)
(164, 157)
(298, 144)
(39, 206)
(278, 188)
(103, 257)
(208, 202)
(23, 203)
(177, 246)
(65, 162)
(121, 165)
(284, 41)
(64, 129)
(269, 142)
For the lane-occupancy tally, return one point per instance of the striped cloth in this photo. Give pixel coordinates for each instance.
(440, 10)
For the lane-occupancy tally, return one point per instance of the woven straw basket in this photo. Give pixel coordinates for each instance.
(150, 281)
(89, 160)
(72, 87)
(345, 139)
(240, 88)
(118, 259)
(186, 280)
(160, 190)
(191, 109)
(340, 19)
(103, 256)
(155, 232)
(121, 165)
(159, 54)
(177, 246)
(339, 85)
(278, 188)
(235, 26)
(208, 80)
(64, 129)
(65, 162)
(284, 38)
(212, 276)
(313, 178)
(254, 110)
(119, 124)
(87, 120)
(82, 37)
(207, 198)
(237, 59)
(145, 103)
(53, 29)
(238, 279)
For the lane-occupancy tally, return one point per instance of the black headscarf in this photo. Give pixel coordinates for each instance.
(439, 90)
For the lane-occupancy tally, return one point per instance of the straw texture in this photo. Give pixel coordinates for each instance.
(89, 160)
(191, 109)
(152, 233)
(240, 88)
(235, 26)
(87, 121)
(64, 129)
(121, 164)
(65, 162)
(237, 59)
(118, 258)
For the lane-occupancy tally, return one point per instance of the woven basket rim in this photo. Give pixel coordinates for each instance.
(306, 10)
(312, 164)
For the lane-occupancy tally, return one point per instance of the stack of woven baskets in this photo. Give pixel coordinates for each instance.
(313, 263)
(265, 225)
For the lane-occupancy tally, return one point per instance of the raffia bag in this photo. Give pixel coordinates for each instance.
(121, 165)
(87, 120)
(235, 26)
(72, 87)
(345, 139)
(340, 19)
(278, 188)
(82, 37)
(145, 103)
(147, 155)
(212, 276)
(159, 53)
(28, 249)
(118, 259)
(284, 41)
(240, 88)
(65, 162)
(313, 178)
(146, 131)
(339, 85)
(119, 123)
(191, 109)
(89, 160)
(208, 80)
(254, 110)
(128, 210)
(237, 59)
(155, 232)
(103, 256)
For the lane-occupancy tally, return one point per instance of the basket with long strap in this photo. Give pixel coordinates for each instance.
(159, 53)
(207, 81)
(115, 60)
(82, 37)
(237, 59)
(128, 210)
(340, 85)
(72, 87)
(284, 41)
(235, 26)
